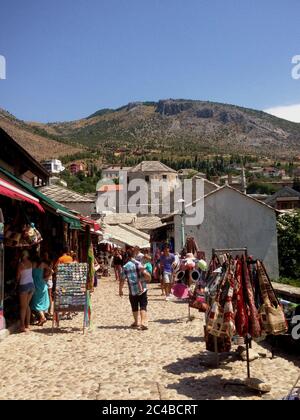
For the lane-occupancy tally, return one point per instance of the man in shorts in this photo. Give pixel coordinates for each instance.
(166, 261)
(137, 277)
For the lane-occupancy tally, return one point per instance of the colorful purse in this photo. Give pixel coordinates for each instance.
(271, 313)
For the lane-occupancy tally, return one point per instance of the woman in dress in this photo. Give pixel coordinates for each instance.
(26, 289)
(49, 280)
(40, 301)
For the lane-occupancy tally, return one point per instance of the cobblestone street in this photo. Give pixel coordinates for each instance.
(112, 361)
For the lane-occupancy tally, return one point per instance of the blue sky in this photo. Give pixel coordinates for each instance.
(65, 59)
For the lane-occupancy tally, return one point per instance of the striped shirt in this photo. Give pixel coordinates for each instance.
(130, 272)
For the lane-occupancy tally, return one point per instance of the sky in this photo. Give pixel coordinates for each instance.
(66, 59)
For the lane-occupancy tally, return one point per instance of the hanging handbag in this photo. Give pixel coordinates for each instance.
(271, 313)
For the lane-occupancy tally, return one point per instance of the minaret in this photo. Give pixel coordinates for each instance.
(244, 181)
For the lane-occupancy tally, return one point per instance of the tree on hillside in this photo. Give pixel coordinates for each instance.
(260, 188)
(288, 245)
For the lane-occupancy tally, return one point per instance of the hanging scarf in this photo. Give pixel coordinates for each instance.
(254, 320)
(220, 320)
(241, 318)
(91, 268)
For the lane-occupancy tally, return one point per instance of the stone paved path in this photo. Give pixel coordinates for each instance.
(111, 361)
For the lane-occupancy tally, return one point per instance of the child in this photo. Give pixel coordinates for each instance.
(148, 267)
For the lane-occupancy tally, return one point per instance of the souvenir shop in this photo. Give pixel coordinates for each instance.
(162, 236)
(35, 227)
(20, 218)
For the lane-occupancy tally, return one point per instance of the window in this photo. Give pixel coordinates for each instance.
(165, 177)
(147, 178)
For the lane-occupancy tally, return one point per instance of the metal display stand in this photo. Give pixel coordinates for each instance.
(71, 292)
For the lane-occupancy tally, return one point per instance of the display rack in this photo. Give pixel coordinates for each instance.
(71, 291)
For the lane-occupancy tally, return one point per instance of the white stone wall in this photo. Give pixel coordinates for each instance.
(232, 220)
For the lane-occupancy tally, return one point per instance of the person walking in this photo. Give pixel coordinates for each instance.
(26, 289)
(117, 261)
(166, 261)
(134, 272)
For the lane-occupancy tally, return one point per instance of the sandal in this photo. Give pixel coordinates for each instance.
(144, 328)
(42, 322)
(134, 326)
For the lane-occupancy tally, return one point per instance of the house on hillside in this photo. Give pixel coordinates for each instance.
(54, 166)
(154, 170)
(113, 172)
(232, 219)
(285, 199)
(20, 163)
(76, 167)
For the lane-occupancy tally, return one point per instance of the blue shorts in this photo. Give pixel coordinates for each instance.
(26, 288)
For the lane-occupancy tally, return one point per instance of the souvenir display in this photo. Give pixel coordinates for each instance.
(71, 287)
(241, 299)
(28, 236)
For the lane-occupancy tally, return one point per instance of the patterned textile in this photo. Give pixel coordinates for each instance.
(272, 315)
(241, 320)
(254, 320)
(223, 343)
(221, 321)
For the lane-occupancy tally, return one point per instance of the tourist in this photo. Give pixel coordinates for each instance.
(166, 261)
(157, 270)
(40, 301)
(49, 279)
(65, 258)
(148, 264)
(133, 271)
(117, 260)
(25, 286)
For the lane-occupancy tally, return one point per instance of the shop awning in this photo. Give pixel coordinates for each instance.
(67, 216)
(9, 190)
(92, 223)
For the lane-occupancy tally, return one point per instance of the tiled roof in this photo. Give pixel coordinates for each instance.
(64, 195)
(110, 187)
(119, 218)
(148, 223)
(125, 234)
(283, 192)
(152, 166)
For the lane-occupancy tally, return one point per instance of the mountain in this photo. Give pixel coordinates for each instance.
(171, 127)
